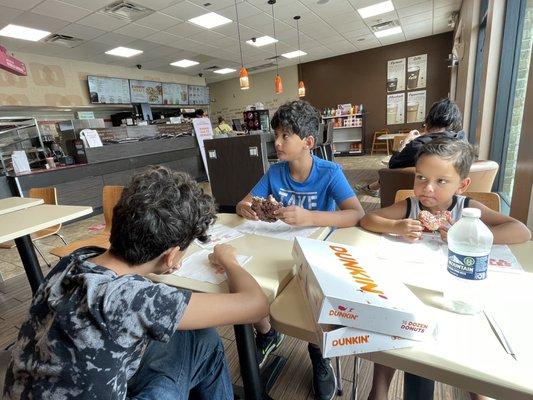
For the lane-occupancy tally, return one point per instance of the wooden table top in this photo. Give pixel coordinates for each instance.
(11, 204)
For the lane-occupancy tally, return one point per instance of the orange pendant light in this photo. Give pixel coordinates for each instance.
(243, 79)
(301, 89)
(301, 85)
(278, 85)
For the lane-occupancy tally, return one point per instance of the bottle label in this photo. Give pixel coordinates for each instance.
(468, 267)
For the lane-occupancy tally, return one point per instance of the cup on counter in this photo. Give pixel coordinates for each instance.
(412, 111)
(392, 84)
(412, 77)
(392, 111)
(50, 162)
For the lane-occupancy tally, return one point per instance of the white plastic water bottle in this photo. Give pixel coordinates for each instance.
(469, 245)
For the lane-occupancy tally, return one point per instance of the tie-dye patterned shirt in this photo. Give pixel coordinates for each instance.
(87, 330)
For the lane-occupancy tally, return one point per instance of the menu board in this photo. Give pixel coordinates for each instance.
(198, 94)
(146, 92)
(174, 93)
(104, 90)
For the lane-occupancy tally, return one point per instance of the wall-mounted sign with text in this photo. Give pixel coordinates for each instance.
(416, 71)
(396, 75)
(395, 109)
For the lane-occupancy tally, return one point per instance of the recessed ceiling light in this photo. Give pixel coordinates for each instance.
(262, 41)
(184, 63)
(224, 71)
(123, 52)
(388, 32)
(21, 32)
(210, 20)
(376, 9)
(294, 54)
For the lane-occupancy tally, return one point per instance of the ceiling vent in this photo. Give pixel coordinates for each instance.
(263, 66)
(273, 57)
(213, 67)
(63, 40)
(127, 10)
(385, 25)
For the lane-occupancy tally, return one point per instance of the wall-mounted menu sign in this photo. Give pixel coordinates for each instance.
(146, 92)
(174, 93)
(198, 94)
(416, 71)
(396, 75)
(106, 90)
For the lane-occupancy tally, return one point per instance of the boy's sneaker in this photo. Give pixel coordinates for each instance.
(324, 379)
(266, 344)
(366, 190)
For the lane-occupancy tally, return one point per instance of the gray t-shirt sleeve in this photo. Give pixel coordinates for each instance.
(135, 307)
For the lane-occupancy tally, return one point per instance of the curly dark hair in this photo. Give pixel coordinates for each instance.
(297, 117)
(160, 209)
(462, 154)
(444, 114)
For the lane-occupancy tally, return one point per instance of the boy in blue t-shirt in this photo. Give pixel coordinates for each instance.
(311, 189)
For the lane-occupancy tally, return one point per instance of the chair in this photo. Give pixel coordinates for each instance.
(380, 145)
(490, 199)
(110, 197)
(318, 150)
(327, 146)
(49, 196)
(397, 142)
(482, 173)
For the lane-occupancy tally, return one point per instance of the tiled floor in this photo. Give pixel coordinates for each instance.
(295, 381)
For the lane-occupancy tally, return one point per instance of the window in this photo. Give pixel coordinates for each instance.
(512, 85)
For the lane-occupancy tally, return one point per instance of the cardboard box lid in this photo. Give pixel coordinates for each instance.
(348, 273)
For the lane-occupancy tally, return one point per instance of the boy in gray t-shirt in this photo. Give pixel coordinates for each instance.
(98, 328)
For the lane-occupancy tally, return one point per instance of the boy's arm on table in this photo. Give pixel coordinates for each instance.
(245, 304)
(506, 230)
(392, 220)
(349, 214)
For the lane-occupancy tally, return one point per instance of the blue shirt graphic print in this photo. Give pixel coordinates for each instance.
(325, 187)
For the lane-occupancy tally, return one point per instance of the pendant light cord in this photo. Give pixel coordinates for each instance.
(275, 43)
(239, 34)
(299, 58)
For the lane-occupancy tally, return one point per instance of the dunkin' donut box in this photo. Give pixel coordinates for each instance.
(349, 287)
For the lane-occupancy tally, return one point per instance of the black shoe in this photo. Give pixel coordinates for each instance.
(266, 344)
(324, 380)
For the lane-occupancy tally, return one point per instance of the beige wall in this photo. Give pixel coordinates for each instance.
(59, 82)
(228, 100)
(465, 43)
(489, 78)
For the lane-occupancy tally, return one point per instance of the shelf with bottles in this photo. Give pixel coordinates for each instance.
(20, 133)
(342, 116)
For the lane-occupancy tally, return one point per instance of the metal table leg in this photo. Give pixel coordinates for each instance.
(251, 378)
(30, 262)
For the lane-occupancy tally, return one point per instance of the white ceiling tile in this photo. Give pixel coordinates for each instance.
(420, 8)
(163, 38)
(399, 4)
(61, 10)
(185, 29)
(20, 4)
(444, 3)
(377, 19)
(185, 10)
(245, 10)
(227, 29)
(114, 39)
(418, 34)
(158, 21)
(103, 22)
(136, 31)
(40, 22)
(416, 19)
(256, 20)
(215, 4)
(157, 4)
(92, 5)
(7, 14)
(81, 31)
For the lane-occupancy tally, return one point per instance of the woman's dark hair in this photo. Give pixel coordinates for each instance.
(444, 114)
(460, 153)
(297, 117)
(220, 119)
(160, 209)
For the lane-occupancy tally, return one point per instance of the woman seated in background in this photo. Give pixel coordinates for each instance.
(443, 120)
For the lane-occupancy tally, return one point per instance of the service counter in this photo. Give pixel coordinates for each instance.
(111, 164)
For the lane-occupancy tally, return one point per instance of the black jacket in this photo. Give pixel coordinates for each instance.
(407, 157)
